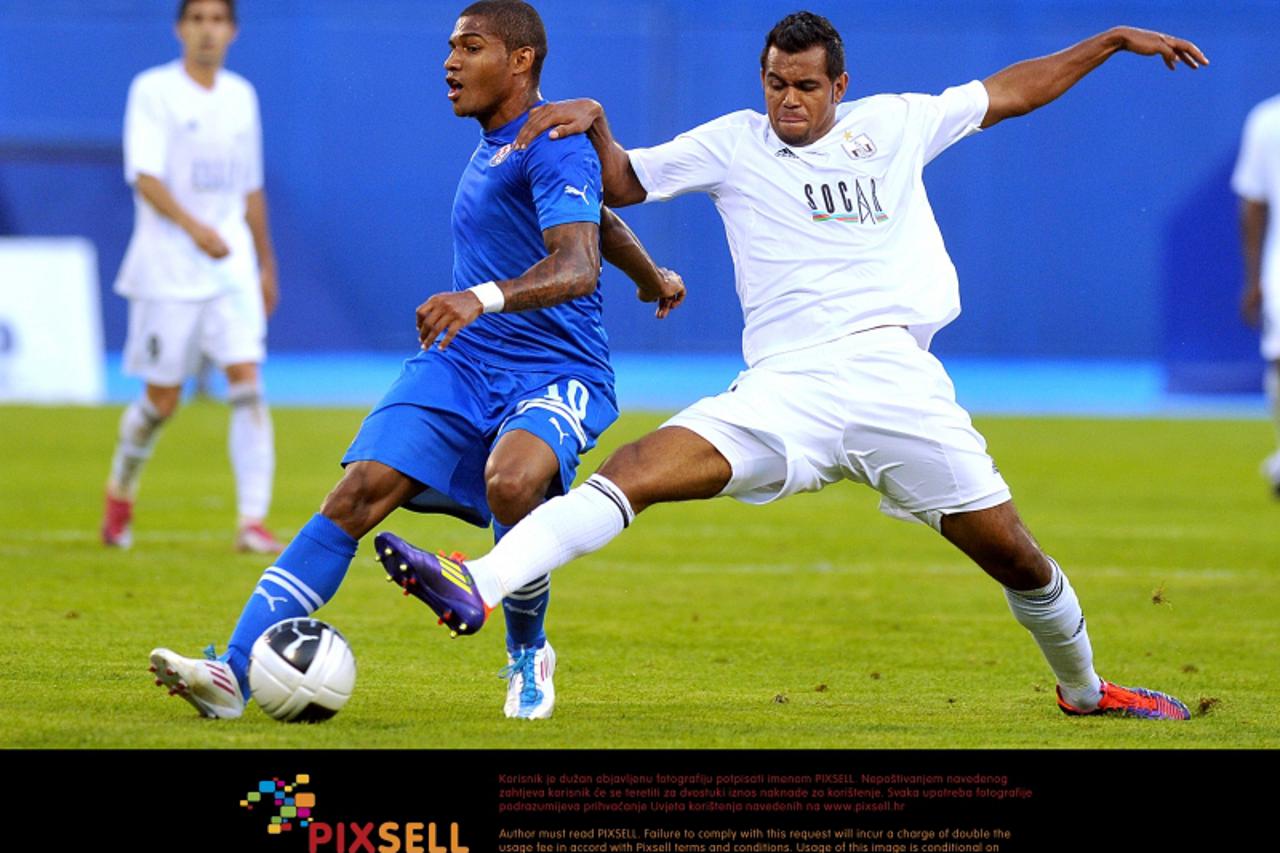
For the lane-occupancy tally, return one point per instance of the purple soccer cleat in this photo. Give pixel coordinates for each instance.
(443, 584)
(1131, 702)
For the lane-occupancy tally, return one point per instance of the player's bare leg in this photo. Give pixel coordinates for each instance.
(1043, 602)
(998, 541)
(672, 464)
(517, 476)
(139, 427)
(251, 445)
(367, 493)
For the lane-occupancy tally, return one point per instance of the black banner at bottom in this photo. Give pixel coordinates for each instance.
(646, 802)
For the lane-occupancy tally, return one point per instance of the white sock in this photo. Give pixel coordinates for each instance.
(251, 442)
(1053, 616)
(562, 529)
(139, 426)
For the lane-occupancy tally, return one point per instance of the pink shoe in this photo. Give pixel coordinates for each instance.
(253, 538)
(116, 520)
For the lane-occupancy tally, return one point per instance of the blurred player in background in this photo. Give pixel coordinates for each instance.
(200, 270)
(844, 279)
(491, 419)
(1257, 181)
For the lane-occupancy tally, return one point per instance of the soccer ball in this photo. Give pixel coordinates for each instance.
(301, 671)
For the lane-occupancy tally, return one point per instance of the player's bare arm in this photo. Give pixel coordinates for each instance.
(1029, 85)
(159, 197)
(1253, 227)
(565, 118)
(570, 270)
(622, 248)
(255, 214)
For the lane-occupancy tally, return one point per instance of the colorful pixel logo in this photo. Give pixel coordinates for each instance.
(284, 798)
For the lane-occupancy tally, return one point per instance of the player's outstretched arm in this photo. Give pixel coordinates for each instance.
(566, 118)
(1029, 85)
(570, 269)
(622, 248)
(158, 196)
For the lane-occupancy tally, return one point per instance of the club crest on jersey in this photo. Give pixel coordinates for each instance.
(858, 147)
(502, 154)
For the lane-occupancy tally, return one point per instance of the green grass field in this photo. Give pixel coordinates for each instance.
(815, 622)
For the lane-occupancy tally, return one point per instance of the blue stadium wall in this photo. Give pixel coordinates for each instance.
(1101, 227)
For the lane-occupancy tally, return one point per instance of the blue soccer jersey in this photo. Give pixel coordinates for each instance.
(505, 200)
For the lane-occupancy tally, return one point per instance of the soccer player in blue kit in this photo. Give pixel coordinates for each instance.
(513, 382)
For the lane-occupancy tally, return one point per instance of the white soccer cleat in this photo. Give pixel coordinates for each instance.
(531, 694)
(209, 685)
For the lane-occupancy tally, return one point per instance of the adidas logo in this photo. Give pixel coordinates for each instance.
(786, 154)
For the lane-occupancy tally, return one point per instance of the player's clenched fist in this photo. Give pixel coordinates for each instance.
(209, 241)
(669, 293)
(446, 313)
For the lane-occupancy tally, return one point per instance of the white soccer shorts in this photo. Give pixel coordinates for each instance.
(167, 338)
(871, 407)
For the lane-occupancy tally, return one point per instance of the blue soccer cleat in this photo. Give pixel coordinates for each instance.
(443, 584)
(1131, 702)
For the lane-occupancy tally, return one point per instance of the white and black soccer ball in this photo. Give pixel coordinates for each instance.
(301, 671)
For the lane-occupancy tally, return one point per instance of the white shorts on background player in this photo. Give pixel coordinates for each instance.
(1257, 178)
(167, 337)
(871, 407)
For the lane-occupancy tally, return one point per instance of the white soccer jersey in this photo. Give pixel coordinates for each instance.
(1257, 178)
(205, 145)
(834, 237)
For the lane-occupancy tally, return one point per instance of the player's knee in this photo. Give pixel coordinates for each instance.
(356, 504)
(164, 401)
(513, 493)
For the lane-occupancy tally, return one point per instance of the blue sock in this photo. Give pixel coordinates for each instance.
(526, 608)
(303, 578)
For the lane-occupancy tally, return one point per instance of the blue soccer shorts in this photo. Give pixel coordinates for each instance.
(441, 418)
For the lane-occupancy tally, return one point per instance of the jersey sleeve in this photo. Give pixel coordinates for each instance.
(254, 171)
(146, 139)
(1249, 180)
(695, 161)
(943, 120)
(564, 177)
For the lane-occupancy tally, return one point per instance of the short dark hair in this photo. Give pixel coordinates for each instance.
(230, 4)
(517, 24)
(800, 31)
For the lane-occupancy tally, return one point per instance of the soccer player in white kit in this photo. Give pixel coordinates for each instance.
(199, 272)
(1257, 181)
(843, 279)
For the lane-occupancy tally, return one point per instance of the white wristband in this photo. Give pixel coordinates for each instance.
(490, 296)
